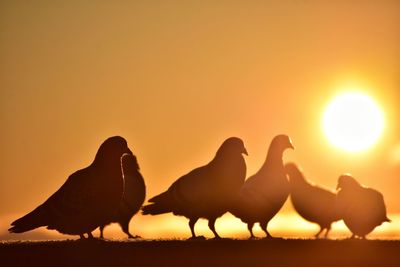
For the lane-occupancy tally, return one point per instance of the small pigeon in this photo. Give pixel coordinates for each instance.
(264, 193)
(312, 202)
(361, 208)
(207, 191)
(89, 197)
(134, 194)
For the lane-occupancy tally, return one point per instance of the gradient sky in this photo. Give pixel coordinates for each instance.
(175, 78)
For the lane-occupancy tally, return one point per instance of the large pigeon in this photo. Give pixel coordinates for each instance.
(89, 197)
(134, 194)
(361, 208)
(207, 191)
(264, 193)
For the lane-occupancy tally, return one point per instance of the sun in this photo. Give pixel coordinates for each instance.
(353, 122)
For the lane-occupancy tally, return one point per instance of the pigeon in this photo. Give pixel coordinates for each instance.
(312, 202)
(207, 191)
(89, 197)
(361, 208)
(134, 194)
(263, 194)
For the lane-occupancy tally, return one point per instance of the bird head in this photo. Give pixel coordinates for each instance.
(346, 181)
(294, 173)
(232, 145)
(282, 142)
(112, 149)
(129, 163)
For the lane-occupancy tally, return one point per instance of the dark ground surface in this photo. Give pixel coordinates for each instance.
(291, 252)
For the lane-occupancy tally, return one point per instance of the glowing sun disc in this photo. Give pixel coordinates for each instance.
(353, 122)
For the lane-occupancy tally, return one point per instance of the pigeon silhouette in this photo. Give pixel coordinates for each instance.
(264, 193)
(89, 197)
(207, 191)
(134, 194)
(361, 208)
(312, 202)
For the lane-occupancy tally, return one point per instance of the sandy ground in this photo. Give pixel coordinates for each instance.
(226, 252)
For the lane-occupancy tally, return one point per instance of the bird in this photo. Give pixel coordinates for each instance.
(207, 191)
(312, 202)
(133, 197)
(264, 193)
(88, 198)
(361, 208)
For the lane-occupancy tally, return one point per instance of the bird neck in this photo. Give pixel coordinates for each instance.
(273, 160)
(227, 158)
(108, 166)
(298, 182)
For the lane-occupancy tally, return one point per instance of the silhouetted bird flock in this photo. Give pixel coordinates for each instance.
(112, 189)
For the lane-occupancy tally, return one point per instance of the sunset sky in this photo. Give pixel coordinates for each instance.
(176, 78)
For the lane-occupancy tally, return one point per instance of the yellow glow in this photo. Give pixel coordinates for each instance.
(286, 225)
(353, 122)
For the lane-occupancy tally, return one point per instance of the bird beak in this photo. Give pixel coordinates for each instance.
(290, 144)
(245, 151)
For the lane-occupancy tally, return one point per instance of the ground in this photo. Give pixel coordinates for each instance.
(280, 252)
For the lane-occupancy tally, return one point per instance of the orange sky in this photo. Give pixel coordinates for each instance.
(175, 79)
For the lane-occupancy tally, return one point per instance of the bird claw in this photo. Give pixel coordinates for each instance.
(134, 236)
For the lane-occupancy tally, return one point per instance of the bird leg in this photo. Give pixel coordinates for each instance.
(328, 229)
(319, 232)
(90, 236)
(102, 231)
(250, 228)
(125, 229)
(264, 228)
(133, 236)
(82, 236)
(192, 222)
(211, 225)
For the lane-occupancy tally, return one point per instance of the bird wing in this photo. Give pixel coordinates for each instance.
(314, 203)
(260, 187)
(250, 188)
(194, 187)
(191, 192)
(73, 200)
(76, 197)
(251, 197)
(377, 204)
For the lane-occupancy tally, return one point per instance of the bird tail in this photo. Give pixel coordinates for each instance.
(32, 220)
(159, 205)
